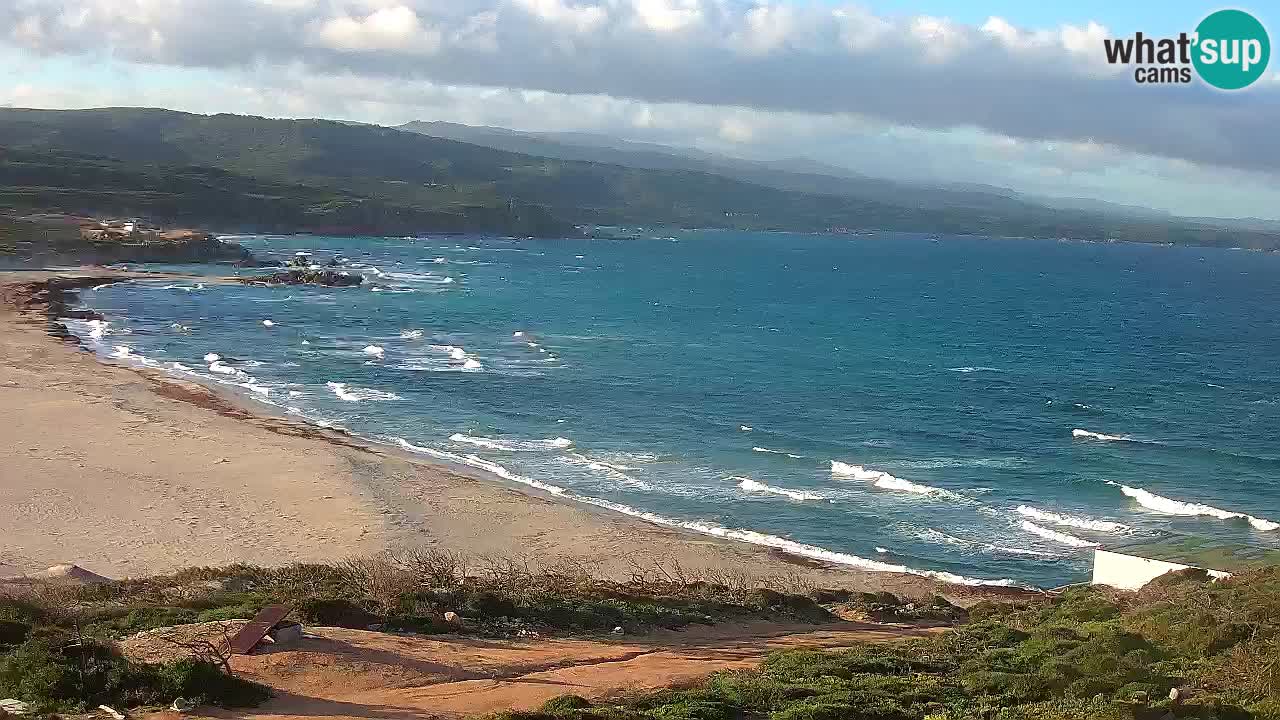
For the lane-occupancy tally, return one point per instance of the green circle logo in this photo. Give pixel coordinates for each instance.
(1232, 49)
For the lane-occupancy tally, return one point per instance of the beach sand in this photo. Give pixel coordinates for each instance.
(130, 472)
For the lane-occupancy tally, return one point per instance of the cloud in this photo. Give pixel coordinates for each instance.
(770, 55)
(395, 28)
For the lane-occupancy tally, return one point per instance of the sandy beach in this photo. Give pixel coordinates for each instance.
(130, 472)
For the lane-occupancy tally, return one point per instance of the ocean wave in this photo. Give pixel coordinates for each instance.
(776, 452)
(410, 334)
(1170, 506)
(1071, 521)
(616, 472)
(1090, 435)
(750, 485)
(557, 443)
(752, 537)
(1056, 536)
(995, 463)
(374, 351)
(967, 369)
(941, 538)
(886, 481)
(1074, 407)
(357, 394)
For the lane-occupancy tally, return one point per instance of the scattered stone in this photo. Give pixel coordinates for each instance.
(453, 618)
(112, 712)
(182, 705)
(1140, 697)
(374, 627)
(14, 707)
(618, 630)
(220, 460)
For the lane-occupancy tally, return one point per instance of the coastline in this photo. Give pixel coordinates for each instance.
(129, 471)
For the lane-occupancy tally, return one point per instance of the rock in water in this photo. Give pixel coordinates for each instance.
(308, 276)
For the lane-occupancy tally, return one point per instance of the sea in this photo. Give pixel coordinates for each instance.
(978, 410)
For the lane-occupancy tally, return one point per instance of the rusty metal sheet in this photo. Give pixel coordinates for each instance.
(258, 627)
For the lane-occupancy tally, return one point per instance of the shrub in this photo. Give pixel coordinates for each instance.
(335, 612)
(565, 703)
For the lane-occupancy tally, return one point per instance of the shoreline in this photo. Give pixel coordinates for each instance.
(401, 497)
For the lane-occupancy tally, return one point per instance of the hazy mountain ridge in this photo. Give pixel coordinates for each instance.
(332, 176)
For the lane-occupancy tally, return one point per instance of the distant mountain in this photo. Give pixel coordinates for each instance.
(799, 174)
(232, 171)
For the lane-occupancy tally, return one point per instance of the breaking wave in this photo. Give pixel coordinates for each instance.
(792, 547)
(1056, 536)
(967, 369)
(1170, 506)
(356, 394)
(939, 537)
(776, 452)
(1089, 435)
(558, 443)
(886, 481)
(756, 486)
(1072, 521)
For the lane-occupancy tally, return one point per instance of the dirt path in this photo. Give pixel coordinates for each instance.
(336, 673)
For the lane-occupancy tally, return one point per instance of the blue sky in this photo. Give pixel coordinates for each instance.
(1006, 93)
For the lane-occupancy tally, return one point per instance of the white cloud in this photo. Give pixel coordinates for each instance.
(389, 28)
(772, 56)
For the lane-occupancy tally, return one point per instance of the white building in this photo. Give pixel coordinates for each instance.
(1133, 565)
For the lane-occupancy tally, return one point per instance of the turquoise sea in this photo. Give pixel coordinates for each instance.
(988, 409)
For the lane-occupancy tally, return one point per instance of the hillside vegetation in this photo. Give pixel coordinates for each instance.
(241, 172)
(1091, 655)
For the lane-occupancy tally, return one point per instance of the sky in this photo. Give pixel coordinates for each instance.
(1007, 93)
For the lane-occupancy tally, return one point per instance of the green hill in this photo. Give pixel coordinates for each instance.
(239, 172)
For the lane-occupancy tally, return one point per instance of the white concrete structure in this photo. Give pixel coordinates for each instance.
(1131, 572)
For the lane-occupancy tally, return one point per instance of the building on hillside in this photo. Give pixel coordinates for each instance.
(1130, 566)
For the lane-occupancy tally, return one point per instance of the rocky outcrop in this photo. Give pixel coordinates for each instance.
(307, 276)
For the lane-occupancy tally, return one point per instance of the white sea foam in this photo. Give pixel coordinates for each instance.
(939, 537)
(357, 394)
(221, 368)
(98, 329)
(1169, 506)
(748, 536)
(374, 351)
(776, 452)
(508, 445)
(268, 323)
(1071, 521)
(212, 357)
(886, 481)
(756, 486)
(410, 334)
(121, 351)
(1056, 536)
(472, 364)
(744, 428)
(968, 369)
(615, 472)
(1089, 435)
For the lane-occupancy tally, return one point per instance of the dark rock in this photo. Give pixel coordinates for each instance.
(327, 278)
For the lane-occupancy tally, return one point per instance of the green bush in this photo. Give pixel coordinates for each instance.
(565, 703)
(54, 671)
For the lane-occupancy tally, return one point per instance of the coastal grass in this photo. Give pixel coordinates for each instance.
(1092, 654)
(58, 647)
